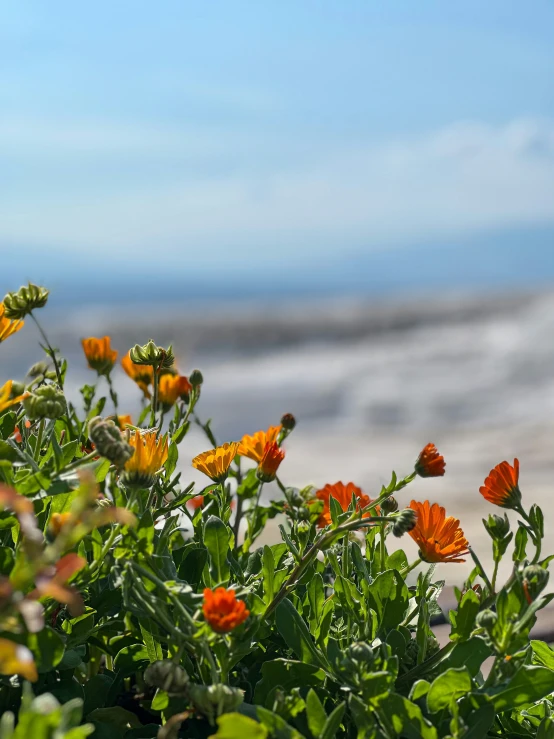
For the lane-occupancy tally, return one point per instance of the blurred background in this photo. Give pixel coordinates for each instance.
(341, 210)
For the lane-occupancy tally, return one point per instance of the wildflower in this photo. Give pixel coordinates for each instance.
(215, 463)
(149, 457)
(142, 374)
(152, 355)
(8, 326)
(6, 401)
(196, 502)
(58, 521)
(254, 446)
(430, 463)
(171, 387)
(343, 494)
(440, 539)
(100, 356)
(47, 401)
(16, 659)
(501, 486)
(24, 301)
(222, 610)
(272, 457)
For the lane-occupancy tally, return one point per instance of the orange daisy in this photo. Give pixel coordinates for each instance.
(142, 374)
(502, 485)
(439, 538)
(430, 463)
(343, 494)
(269, 464)
(100, 356)
(223, 611)
(171, 387)
(254, 446)
(149, 457)
(215, 463)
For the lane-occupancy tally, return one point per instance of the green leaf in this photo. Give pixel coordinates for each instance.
(172, 459)
(131, 659)
(6, 561)
(480, 722)
(403, 718)
(463, 620)
(102, 470)
(153, 647)
(96, 692)
(115, 716)
(542, 653)
(315, 713)
(388, 596)
(47, 647)
(268, 570)
(237, 726)
(216, 539)
(294, 631)
(448, 687)
(520, 544)
(278, 727)
(287, 674)
(529, 684)
(332, 724)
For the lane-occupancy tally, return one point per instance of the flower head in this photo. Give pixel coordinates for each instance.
(430, 463)
(269, 463)
(502, 485)
(16, 659)
(149, 456)
(254, 446)
(142, 374)
(215, 463)
(223, 611)
(28, 298)
(58, 521)
(171, 388)
(100, 356)
(6, 401)
(343, 494)
(7, 325)
(439, 538)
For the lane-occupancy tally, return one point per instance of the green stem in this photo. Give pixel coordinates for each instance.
(411, 567)
(154, 407)
(494, 575)
(39, 439)
(382, 549)
(411, 676)
(481, 569)
(51, 350)
(113, 396)
(88, 458)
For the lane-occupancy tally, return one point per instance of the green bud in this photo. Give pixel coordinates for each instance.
(404, 521)
(152, 355)
(109, 442)
(168, 676)
(47, 401)
(196, 378)
(38, 369)
(26, 299)
(534, 580)
(360, 652)
(303, 531)
(18, 388)
(288, 422)
(389, 505)
(486, 619)
(497, 526)
(213, 700)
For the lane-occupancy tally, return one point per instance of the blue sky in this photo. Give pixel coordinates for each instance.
(232, 135)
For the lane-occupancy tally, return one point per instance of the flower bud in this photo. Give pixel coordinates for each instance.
(486, 619)
(18, 388)
(196, 378)
(47, 401)
(168, 676)
(288, 422)
(303, 532)
(152, 355)
(497, 526)
(389, 505)
(404, 521)
(213, 700)
(109, 442)
(38, 369)
(534, 581)
(26, 299)
(360, 652)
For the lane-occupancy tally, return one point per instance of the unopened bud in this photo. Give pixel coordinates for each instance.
(47, 401)
(168, 676)
(389, 505)
(38, 369)
(288, 422)
(109, 442)
(153, 355)
(404, 522)
(361, 652)
(497, 526)
(534, 581)
(486, 619)
(18, 388)
(196, 378)
(19, 304)
(213, 700)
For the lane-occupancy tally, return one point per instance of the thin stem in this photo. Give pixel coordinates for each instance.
(88, 458)
(113, 396)
(52, 352)
(382, 549)
(154, 406)
(411, 567)
(481, 569)
(238, 517)
(494, 575)
(39, 439)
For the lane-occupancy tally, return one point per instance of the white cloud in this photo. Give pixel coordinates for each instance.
(461, 178)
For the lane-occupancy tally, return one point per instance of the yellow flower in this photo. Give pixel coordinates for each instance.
(8, 327)
(149, 457)
(15, 659)
(100, 356)
(5, 400)
(142, 374)
(171, 387)
(215, 463)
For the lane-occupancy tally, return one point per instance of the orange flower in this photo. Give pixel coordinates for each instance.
(52, 583)
(343, 494)
(16, 659)
(223, 611)
(215, 463)
(272, 457)
(430, 463)
(6, 401)
(171, 387)
(58, 521)
(124, 421)
(196, 502)
(254, 446)
(502, 485)
(150, 456)
(142, 374)
(440, 539)
(100, 356)
(7, 326)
